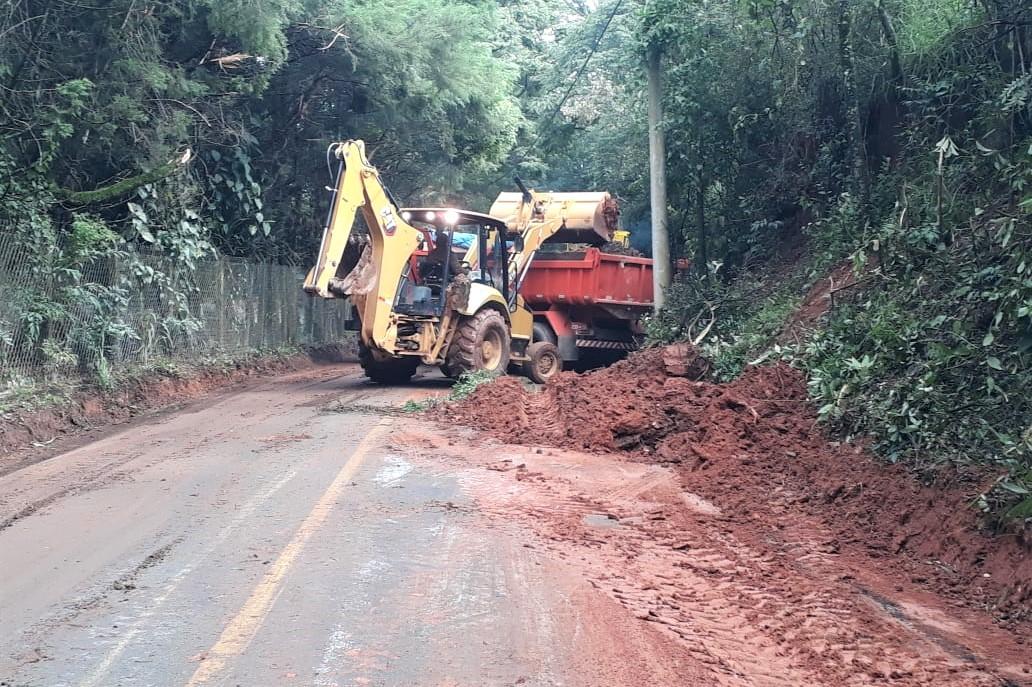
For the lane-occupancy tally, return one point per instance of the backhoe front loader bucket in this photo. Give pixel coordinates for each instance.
(586, 217)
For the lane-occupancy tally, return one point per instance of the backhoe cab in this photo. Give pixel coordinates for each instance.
(441, 286)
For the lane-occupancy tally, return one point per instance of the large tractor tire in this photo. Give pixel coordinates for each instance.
(481, 344)
(389, 370)
(543, 362)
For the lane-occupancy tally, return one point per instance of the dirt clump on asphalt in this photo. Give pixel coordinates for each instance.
(753, 446)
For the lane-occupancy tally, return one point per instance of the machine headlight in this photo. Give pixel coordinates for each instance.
(431, 216)
(451, 218)
(406, 215)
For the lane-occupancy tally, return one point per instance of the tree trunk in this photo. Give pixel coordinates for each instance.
(854, 112)
(657, 181)
(889, 32)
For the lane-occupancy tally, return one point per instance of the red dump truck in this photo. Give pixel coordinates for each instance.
(588, 303)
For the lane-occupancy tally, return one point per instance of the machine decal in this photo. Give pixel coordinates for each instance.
(390, 225)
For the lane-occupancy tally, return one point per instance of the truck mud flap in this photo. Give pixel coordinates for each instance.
(568, 348)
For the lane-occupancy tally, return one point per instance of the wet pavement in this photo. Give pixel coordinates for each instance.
(262, 539)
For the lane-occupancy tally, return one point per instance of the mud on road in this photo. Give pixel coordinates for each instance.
(734, 603)
(753, 490)
(301, 531)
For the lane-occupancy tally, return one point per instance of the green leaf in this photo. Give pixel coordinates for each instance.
(946, 147)
(988, 340)
(1021, 511)
(145, 233)
(994, 362)
(1014, 488)
(137, 211)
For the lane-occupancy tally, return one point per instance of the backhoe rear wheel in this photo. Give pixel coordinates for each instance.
(388, 370)
(543, 362)
(481, 344)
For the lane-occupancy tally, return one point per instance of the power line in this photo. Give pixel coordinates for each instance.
(584, 65)
(569, 91)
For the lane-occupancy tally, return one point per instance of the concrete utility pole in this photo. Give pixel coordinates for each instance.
(657, 181)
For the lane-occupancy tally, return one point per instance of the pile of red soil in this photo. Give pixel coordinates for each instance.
(754, 447)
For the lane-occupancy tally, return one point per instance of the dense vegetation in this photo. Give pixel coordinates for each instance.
(894, 134)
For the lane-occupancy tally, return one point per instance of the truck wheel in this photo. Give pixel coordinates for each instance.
(542, 332)
(544, 362)
(481, 345)
(387, 371)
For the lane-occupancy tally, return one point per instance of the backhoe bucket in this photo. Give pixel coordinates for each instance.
(587, 217)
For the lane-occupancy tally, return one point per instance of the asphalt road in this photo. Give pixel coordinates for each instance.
(266, 537)
(302, 531)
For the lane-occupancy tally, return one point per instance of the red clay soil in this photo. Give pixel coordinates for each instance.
(817, 302)
(754, 446)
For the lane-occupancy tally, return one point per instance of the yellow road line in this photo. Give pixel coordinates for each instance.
(245, 625)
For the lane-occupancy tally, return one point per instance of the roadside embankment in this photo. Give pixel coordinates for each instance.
(34, 421)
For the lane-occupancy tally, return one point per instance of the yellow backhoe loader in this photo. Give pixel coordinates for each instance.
(441, 286)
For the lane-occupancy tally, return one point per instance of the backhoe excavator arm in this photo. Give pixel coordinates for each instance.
(372, 282)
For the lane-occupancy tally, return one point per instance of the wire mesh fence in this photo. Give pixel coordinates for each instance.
(61, 318)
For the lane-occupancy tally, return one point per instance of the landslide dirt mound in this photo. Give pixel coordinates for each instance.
(754, 447)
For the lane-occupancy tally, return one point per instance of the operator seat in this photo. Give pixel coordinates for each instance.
(441, 250)
(442, 253)
(434, 265)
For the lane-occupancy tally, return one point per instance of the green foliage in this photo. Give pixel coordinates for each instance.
(925, 27)
(465, 385)
(734, 323)
(221, 112)
(934, 359)
(90, 237)
(259, 27)
(895, 134)
(835, 235)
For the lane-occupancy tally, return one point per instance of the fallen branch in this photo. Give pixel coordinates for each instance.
(120, 188)
(705, 332)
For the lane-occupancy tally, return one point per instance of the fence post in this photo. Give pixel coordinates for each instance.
(220, 300)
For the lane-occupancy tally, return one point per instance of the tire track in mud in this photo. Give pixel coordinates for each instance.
(93, 479)
(93, 476)
(750, 610)
(124, 582)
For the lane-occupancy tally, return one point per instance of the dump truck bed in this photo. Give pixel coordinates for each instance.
(589, 277)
